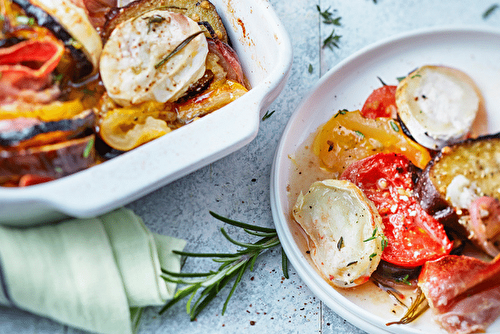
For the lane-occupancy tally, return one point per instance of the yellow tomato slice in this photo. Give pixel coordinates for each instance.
(348, 137)
(126, 128)
(54, 111)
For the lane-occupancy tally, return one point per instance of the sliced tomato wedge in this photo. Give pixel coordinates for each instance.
(381, 103)
(414, 237)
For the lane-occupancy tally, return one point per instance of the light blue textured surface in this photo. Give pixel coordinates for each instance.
(238, 185)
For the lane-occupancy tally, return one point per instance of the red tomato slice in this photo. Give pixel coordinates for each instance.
(381, 103)
(414, 237)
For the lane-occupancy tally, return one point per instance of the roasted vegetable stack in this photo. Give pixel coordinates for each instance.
(71, 92)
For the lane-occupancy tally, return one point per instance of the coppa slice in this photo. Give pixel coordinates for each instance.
(414, 237)
(463, 292)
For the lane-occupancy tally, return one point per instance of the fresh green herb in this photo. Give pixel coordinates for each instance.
(332, 40)
(177, 49)
(268, 114)
(359, 133)
(489, 11)
(88, 148)
(404, 280)
(384, 242)
(416, 76)
(153, 19)
(394, 126)
(374, 235)
(372, 255)
(417, 307)
(233, 265)
(58, 78)
(340, 112)
(58, 169)
(328, 17)
(340, 243)
(310, 68)
(400, 78)
(381, 81)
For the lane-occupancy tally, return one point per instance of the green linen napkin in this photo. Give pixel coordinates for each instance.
(95, 274)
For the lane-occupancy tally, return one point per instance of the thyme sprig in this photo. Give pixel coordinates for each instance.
(417, 307)
(233, 265)
(328, 18)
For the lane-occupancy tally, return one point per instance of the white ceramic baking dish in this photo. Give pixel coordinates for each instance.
(265, 51)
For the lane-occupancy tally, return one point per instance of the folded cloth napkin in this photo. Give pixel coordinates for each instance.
(95, 274)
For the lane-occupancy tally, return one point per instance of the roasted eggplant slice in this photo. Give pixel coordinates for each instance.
(458, 175)
(197, 10)
(21, 132)
(54, 160)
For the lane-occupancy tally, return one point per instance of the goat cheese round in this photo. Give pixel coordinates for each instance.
(437, 105)
(345, 229)
(152, 58)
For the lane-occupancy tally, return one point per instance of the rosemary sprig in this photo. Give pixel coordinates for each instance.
(233, 265)
(177, 49)
(417, 307)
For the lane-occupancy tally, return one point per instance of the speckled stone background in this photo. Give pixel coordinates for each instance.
(238, 185)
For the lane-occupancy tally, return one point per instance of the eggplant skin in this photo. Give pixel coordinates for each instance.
(65, 129)
(197, 10)
(477, 159)
(53, 160)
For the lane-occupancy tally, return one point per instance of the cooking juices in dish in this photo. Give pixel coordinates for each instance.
(79, 87)
(421, 199)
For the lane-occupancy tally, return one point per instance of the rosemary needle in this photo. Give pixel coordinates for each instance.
(233, 266)
(177, 49)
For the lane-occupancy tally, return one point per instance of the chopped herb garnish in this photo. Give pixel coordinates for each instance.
(58, 78)
(489, 11)
(381, 81)
(328, 16)
(310, 68)
(153, 20)
(58, 169)
(340, 243)
(404, 280)
(267, 115)
(340, 112)
(359, 133)
(372, 255)
(88, 148)
(384, 242)
(394, 126)
(178, 48)
(400, 79)
(332, 40)
(21, 19)
(416, 76)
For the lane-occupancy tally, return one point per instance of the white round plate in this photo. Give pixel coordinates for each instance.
(474, 51)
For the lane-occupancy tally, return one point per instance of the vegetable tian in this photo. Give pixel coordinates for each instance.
(411, 199)
(84, 80)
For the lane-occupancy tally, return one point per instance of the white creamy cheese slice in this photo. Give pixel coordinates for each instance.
(437, 104)
(345, 229)
(130, 61)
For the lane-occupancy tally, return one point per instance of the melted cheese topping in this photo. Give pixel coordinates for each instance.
(345, 229)
(130, 60)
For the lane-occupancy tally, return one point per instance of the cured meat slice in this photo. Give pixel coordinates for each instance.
(463, 292)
